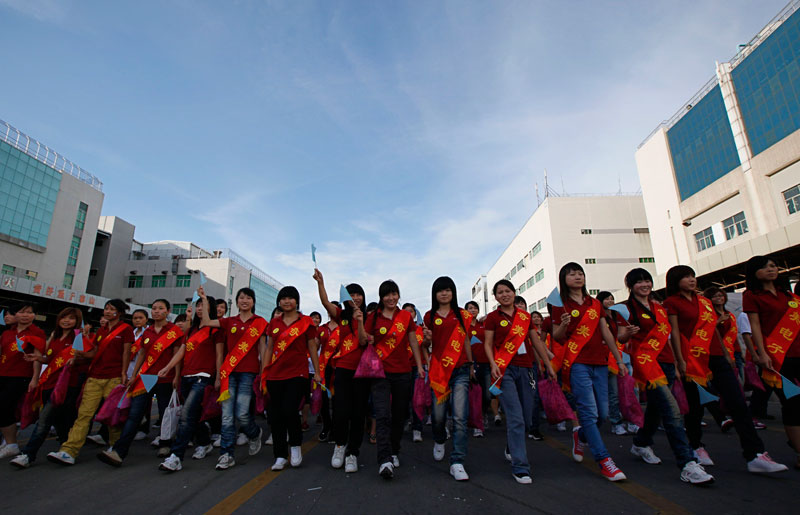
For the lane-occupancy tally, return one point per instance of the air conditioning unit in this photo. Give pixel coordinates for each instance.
(133, 272)
(163, 272)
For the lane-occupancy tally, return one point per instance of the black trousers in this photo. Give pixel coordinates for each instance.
(350, 397)
(390, 398)
(284, 402)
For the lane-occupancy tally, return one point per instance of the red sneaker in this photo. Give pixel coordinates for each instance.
(758, 424)
(611, 471)
(577, 446)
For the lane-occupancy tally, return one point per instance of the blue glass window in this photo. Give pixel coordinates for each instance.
(266, 296)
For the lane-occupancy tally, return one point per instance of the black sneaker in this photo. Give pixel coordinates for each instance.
(536, 435)
(523, 479)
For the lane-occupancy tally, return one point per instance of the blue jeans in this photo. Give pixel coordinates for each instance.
(459, 386)
(590, 387)
(192, 391)
(237, 408)
(516, 402)
(536, 402)
(139, 404)
(60, 416)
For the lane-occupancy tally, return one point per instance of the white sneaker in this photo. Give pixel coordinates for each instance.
(155, 443)
(241, 439)
(61, 457)
(337, 460)
(632, 428)
(477, 433)
(647, 454)
(140, 435)
(99, 440)
(458, 472)
(447, 432)
(561, 426)
(417, 436)
(498, 420)
(255, 443)
(351, 464)
(438, 451)
(395, 461)
(202, 451)
(762, 464)
(507, 454)
(296, 455)
(217, 441)
(268, 441)
(619, 429)
(428, 420)
(695, 474)
(171, 464)
(280, 464)
(522, 478)
(386, 471)
(225, 462)
(22, 461)
(9, 451)
(702, 457)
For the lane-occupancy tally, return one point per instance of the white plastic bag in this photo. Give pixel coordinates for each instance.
(172, 415)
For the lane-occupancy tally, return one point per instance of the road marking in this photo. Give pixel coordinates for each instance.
(232, 503)
(642, 493)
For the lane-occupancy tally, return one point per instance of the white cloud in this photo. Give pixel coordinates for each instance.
(54, 11)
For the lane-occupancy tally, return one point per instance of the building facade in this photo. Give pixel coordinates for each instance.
(721, 178)
(606, 235)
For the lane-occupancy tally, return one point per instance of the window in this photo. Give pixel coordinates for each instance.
(507, 277)
(586, 231)
(641, 230)
(541, 303)
(590, 261)
(594, 292)
(179, 309)
(230, 285)
(704, 239)
(531, 307)
(735, 225)
(183, 281)
(513, 272)
(80, 220)
(73, 251)
(647, 260)
(792, 198)
(536, 249)
(9, 270)
(68, 281)
(31, 274)
(520, 265)
(135, 281)
(158, 281)
(530, 282)
(522, 287)
(539, 275)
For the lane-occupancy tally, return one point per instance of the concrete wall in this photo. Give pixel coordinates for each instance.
(111, 256)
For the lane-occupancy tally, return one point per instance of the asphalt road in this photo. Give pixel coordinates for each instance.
(420, 484)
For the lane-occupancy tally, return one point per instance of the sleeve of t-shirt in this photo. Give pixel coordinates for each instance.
(749, 302)
(412, 326)
(555, 314)
(128, 336)
(312, 332)
(426, 320)
(670, 307)
(40, 340)
(743, 324)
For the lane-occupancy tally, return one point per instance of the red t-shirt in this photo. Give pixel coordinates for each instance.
(149, 338)
(55, 348)
(688, 312)
(478, 350)
(203, 356)
(595, 351)
(494, 322)
(770, 309)
(645, 319)
(351, 359)
(109, 364)
(442, 328)
(12, 361)
(397, 361)
(293, 362)
(233, 328)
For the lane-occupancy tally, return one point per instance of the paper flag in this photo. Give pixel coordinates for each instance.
(82, 326)
(705, 396)
(203, 279)
(789, 388)
(494, 389)
(475, 340)
(420, 322)
(149, 381)
(344, 295)
(622, 309)
(554, 299)
(314, 254)
(195, 298)
(77, 343)
(122, 399)
(20, 345)
(3, 317)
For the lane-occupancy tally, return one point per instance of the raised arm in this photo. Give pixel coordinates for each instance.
(330, 307)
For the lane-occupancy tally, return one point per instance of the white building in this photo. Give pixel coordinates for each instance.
(721, 178)
(606, 235)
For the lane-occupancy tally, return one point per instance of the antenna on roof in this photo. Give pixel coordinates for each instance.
(536, 187)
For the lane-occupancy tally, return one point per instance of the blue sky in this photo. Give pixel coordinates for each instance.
(403, 138)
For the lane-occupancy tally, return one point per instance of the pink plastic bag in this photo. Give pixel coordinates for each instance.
(421, 398)
(316, 401)
(121, 413)
(680, 397)
(554, 402)
(261, 406)
(109, 407)
(751, 378)
(62, 385)
(211, 408)
(28, 415)
(475, 407)
(629, 405)
(370, 366)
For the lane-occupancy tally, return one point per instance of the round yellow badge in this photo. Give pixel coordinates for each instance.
(438, 321)
(474, 332)
(575, 313)
(344, 322)
(233, 330)
(275, 331)
(793, 304)
(645, 315)
(504, 323)
(383, 330)
(147, 340)
(49, 351)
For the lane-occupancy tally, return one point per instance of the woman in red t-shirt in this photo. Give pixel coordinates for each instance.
(351, 393)
(690, 316)
(292, 337)
(18, 373)
(771, 308)
(416, 422)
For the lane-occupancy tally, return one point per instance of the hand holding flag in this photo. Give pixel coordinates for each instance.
(554, 299)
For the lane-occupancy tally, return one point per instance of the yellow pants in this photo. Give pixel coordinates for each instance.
(94, 391)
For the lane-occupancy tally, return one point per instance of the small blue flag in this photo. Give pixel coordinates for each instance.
(195, 298)
(3, 317)
(20, 345)
(149, 381)
(789, 388)
(77, 343)
(494, 390)
(622, 309)
(314, 254)
(344, 295)
(419, 318)
(705, 396)
(203, 279)
(475, 340)
(121, 400)
(554, 299)
(82, 326)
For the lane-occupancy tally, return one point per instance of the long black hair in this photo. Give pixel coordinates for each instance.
(631, 278)
(445, 283)
(384, 289)
(753, 283)
(674, 277)
(347, 312)
(211, 307)
(563, 289)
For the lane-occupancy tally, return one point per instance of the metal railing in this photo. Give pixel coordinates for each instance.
(260, 274)
(46, 155)
(764, 33)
